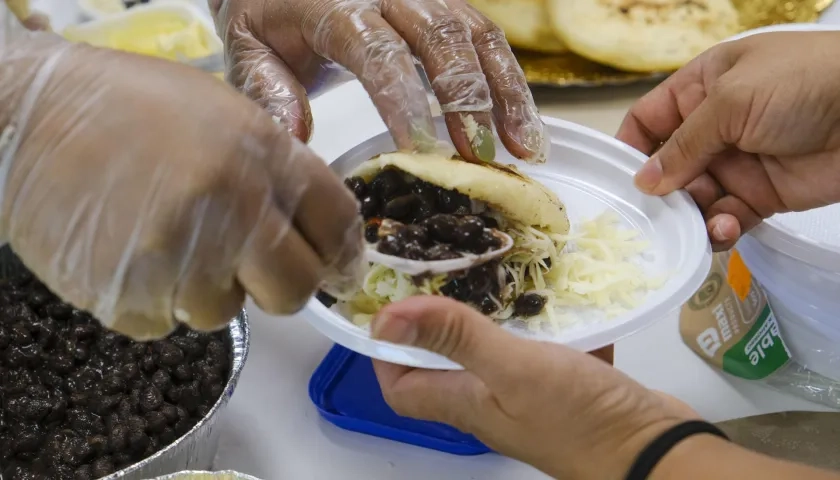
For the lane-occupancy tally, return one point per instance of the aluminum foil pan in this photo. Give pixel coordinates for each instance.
(196, 449)
(194, 475)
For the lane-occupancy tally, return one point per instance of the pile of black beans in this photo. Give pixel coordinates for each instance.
(78, 402)
(432, 223)
(435, 224)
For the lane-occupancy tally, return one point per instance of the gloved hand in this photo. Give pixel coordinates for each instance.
(566, 413)
(278, 49)
(148, 192)
(28, 18)
(750, 128)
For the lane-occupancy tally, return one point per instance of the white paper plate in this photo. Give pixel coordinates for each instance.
(590, 172)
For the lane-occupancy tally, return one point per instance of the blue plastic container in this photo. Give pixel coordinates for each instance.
(345, 391)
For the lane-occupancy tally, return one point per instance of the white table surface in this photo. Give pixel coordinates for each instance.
(271, 429)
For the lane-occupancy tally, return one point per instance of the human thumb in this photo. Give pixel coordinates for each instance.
(687, 153)
(454, 330)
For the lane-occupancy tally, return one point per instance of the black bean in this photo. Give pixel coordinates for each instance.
(358, 186)
(442, 227)
(167, 436)
(155, 422)
(151, 399)
(98, 443)
(20, 335)
(85, 472)
(450, 201)
(467, 236)
(170, 354)
(190, 346)
(400, 208)
(78, 401)
(113, 383)
(59, 311)
(5, 338)
(102, 467)
(414, 234)
(486, 241)
(487, 306)
(388, 184)
(528, 305)
(161, 380)
(183, 372)
(170, 412)
(372, 233)
(370, 207)
(390, 245)
(27, 441)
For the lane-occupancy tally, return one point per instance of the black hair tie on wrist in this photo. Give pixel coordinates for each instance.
(657, 449)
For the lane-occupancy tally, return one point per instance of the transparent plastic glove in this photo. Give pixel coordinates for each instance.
(564, 412)
(749, 128)
(148, 192)
(30, 19)
(279, 49)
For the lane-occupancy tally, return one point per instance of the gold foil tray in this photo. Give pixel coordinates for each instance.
(570, 70)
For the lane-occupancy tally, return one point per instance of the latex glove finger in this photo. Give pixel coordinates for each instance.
(323, 211)
(517, 119)
(20, 8)
(443, 43)
(255, 70)
(37, 22)
(356, 36)
(311, 214)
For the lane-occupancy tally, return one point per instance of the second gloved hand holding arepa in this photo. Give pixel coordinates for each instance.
(278, 49)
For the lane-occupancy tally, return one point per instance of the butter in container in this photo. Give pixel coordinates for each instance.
(174, 31)
(97, 9)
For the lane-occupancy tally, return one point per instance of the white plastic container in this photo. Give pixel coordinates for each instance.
(801, 298)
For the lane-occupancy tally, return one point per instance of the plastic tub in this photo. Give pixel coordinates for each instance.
(807, 311)
(172, 30)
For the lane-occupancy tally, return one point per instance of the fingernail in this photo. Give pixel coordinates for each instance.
(650, 175)
(423, 136)
(717, 233)
(393, 329)
(484, 145)
(534, 140)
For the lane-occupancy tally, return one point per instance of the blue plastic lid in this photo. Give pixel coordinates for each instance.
(345, 391)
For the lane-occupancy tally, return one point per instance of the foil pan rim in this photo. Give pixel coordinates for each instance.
(234, 475)
(240, 335)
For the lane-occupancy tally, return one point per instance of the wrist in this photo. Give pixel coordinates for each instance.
(692, 458)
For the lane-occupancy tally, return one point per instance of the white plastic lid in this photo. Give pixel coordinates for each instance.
(812, 237)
